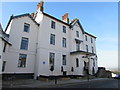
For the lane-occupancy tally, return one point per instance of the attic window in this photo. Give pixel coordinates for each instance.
(26, 27)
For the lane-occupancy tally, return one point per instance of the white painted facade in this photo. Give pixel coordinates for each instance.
(1, 53)
(39, 46)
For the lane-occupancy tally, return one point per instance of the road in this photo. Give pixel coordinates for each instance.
(109, 83)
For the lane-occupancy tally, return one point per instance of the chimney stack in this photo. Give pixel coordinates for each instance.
(32, 14)
(65, 18)
(40, 6)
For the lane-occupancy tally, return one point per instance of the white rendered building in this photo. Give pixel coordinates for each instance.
(4, 44)
(43, 45)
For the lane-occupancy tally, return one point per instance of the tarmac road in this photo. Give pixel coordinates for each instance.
(108, 83)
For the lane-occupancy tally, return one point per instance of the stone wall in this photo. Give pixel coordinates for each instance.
(103, 73)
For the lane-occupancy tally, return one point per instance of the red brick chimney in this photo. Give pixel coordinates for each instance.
(65, 18)
(40, 6)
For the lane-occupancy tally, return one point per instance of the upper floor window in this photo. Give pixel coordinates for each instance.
(87, 48)
(93, 62)
(26, 27)
(64, 29)
(77, 62)
(92, 50)
(24, 43)
(64, 59)
(53, 24)
(91, 40)
(77, 33)
(77, 46)
(85, 38)
(64, 42)
(22, 60)
(52, 39)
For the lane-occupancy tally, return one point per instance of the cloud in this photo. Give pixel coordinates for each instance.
(108, 58)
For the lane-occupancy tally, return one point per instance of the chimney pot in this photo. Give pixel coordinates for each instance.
(65, 18)
(40, 6)
(32, 14)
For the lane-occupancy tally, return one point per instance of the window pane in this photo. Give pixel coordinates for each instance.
(85, 37)
(64, 29)
(92, 50)
(87, 48)
(77, 62)
(26, 27)
(24, 43)
(53, 24)
(51, 59)
(64, 59)
(64, 42)
(77, 46)
(77, 33)
(52, 39)
(91, 40)
(22, 60)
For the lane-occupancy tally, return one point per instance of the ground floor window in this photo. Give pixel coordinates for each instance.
(51, 60)
(77, 62)
(22, 60)
(64, 59)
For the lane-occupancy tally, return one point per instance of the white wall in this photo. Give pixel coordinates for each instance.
(12, 56)
(90, 45)
(1, 49)
(45, 47)
(39, 47)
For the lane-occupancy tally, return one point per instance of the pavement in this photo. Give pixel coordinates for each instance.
(30, 83)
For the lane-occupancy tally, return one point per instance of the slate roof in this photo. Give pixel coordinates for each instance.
(73, 22)
(18, 16)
